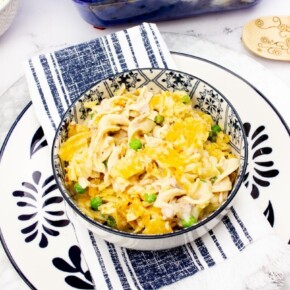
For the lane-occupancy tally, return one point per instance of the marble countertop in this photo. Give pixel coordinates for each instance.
(42, 26)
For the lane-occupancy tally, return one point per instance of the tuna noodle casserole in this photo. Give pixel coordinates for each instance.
(147, 163)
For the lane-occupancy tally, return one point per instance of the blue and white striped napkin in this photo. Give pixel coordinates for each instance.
(56, 79)
(240, 253)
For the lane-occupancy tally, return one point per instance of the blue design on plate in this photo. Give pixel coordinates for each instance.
(81, 279)
(269, 214)
(35, 200)
(38, 141)
(258, 156)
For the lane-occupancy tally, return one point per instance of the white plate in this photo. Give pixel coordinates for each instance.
(35, 232)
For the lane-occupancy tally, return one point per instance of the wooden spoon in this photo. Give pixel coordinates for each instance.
(268, 37)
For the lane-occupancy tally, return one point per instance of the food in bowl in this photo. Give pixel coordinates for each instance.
(147, 163)
(129, 153)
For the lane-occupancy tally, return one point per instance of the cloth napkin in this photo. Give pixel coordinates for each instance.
(241, 252)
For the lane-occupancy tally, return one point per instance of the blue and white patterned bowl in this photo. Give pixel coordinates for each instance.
(204, 97)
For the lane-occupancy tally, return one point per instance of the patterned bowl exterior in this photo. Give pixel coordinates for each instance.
(7, 13)
(104, 13)
(205, 98)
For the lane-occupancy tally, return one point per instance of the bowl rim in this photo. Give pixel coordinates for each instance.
(4, 4)
(68, 198)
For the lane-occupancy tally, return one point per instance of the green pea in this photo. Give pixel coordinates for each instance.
(96, 202)
(111, 222)
(78, 188)
(216, 128)
(135, 144)
(185, 99)
(150, 197)
(188, 223)
(213, 133)
(159, 119)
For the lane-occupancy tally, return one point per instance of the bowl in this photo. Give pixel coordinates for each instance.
(8, 9)
(106, 13)
(204, 97)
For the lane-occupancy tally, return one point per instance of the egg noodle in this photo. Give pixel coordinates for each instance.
(147, 163)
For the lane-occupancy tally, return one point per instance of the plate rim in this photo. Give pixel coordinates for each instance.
(29, 105)
(2, 240)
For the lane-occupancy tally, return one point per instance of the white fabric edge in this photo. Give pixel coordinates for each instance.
(266, 272)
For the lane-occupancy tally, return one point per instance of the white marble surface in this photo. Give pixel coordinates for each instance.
(44, 25)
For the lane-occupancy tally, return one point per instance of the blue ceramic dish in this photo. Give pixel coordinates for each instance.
(105, 13)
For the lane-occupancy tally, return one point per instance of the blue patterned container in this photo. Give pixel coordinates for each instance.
(105, 13)
(204, 97)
